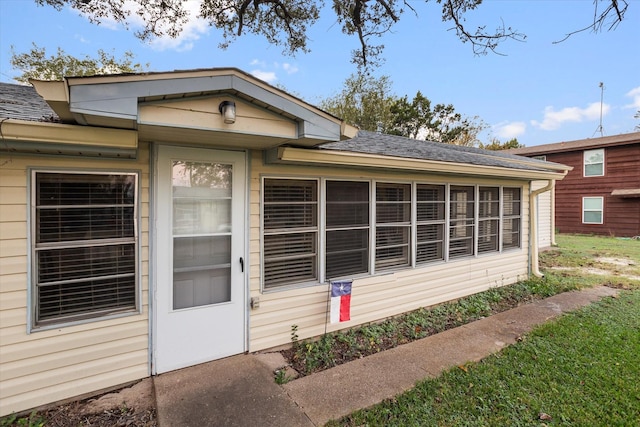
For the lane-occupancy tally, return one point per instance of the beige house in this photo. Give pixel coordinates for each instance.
(155, 221)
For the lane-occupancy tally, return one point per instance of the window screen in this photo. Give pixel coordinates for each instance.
(488, 219)
(85, 245)
(290, 231)
(430, 205)
(511, 209)
(461, 221)
(393, 224)
(347, 228)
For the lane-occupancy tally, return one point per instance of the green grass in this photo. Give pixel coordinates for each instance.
(577, 255)
(581, 370)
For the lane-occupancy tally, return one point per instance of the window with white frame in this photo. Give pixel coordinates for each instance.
(461, 221)
(594, 162)
(290, 231)
(451, 221)
(430, 223)
(393, 225)
(488, 219)
(511, 217)
(592, 208)
(85, 245)
(347, 228)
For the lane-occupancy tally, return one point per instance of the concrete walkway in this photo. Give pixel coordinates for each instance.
(241, 391)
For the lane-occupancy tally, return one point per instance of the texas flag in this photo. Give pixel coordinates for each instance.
(340, 301)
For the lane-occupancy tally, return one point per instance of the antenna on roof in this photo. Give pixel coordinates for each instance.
(600, 128)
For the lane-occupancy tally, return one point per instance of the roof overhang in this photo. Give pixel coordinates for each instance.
(115, 101)
(626, 192)
(19, 136)
(292, 155)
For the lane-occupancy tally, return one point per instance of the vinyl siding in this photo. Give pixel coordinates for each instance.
(545, 230)
(50, 365)
(373, 297)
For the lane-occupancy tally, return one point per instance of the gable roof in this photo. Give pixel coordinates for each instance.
(399, 146)
(579, 145)
(22, 102)
(114, 101)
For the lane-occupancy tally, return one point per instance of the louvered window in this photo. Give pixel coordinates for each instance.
(393, 225)
(430, 202)
(511, 208)
(461, 221)
(347, 228)
(290, 224)
(85, 245)
(488, 219)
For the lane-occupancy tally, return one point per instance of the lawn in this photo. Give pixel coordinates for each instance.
(581, 369)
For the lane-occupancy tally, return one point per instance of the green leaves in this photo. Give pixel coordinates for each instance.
(35, 64)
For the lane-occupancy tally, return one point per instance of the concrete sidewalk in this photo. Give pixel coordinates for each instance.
(241, 391)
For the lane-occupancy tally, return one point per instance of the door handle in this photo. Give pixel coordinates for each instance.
(242, 264)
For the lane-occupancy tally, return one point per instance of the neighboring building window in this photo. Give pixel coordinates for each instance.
(461, 221)
(393, 225)
(290, 224)
(594, 162)
(592, 208)
(347, 228)
(430, 206)
(488, 219)
(511, 213)
(85, 249)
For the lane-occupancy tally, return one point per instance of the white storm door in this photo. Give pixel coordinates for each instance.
(199, 277)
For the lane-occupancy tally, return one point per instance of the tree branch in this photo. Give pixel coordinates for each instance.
(616, 8)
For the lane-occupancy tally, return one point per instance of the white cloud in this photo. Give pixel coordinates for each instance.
(510, 130)
(554, 119)
(258, 62)
(290, 69)
(267, 76)
(635, 95)
(192, 30)
(263, 70)
(81, 39)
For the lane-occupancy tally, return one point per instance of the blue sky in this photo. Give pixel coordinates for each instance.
(537, 91)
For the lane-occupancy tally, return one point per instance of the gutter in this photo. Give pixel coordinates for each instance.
(533, 221)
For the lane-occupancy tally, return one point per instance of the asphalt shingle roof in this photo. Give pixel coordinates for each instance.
(399, 146)
(23, 103)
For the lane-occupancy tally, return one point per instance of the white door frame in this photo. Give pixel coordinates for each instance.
(153, 249)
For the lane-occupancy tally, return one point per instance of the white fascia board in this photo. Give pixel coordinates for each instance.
(293, 155)
(120, 100)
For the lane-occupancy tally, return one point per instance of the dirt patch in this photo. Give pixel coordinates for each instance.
(132, 406)
(623, 262)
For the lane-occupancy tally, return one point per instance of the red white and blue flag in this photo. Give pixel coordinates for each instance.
(340, 301)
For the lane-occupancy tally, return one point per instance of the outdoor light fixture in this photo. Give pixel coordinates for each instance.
(228, 111)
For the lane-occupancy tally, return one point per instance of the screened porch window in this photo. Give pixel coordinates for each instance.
(488, 219)
(430, 206)
(393, 225)
(461, 221)
(511, 208)
(347, 229)
(290, 224)
(84, 245)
